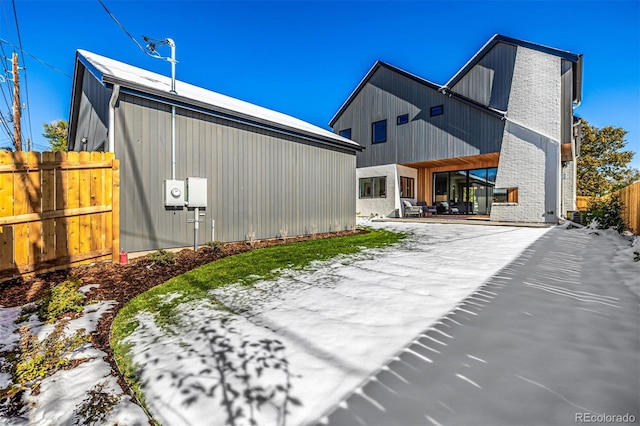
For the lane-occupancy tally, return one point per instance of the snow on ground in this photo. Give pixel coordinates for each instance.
(628, 253)
(65, 391)
(300, 344)
(8, 326)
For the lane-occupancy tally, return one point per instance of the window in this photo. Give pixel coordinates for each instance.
(373, 187)
(379, 131)
(505, 195)
(469, 191)
(402, 119)
(346, 133)
(491, 175)
(441, 187)
(436, 110)
(407, 187)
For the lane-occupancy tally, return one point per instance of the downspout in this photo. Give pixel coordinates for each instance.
(173, 142)
(112, 115)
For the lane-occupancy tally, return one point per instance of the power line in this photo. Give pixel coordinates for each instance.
(35, 57)
(5, 71)
(6, 128)
(26, 85)
(121, 26)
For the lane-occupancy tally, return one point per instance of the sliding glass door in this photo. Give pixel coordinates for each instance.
(464, 191)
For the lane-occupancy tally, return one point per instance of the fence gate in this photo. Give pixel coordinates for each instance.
(57, 210)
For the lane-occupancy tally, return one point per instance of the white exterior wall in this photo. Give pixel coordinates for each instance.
(385, 207)
(530, 153)
(529, 162)
(410, 172)
(569, 187)
(378, 206)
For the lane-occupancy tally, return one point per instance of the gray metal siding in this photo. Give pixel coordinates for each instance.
(462, 130)
(566, 97)
(92, 114)
(257, 179)
(489, 81)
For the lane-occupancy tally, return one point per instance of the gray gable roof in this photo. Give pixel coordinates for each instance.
(110, 72)
(575, 58)
(367, 77)
(379, 64)
(498, 38)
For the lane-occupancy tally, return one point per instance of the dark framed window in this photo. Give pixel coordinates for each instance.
(505, 195)
(373, 187)
(492, 174)
(402, 119)
(379, 131)
(436, 110)
(346, 133)
(407, 187)
(469, 191)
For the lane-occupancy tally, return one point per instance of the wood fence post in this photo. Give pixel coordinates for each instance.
(115, 211)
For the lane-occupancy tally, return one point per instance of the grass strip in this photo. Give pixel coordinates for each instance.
(246, 268)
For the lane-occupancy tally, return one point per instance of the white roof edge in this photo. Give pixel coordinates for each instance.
(141, 77)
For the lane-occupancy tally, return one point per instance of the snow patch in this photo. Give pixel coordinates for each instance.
(333, 325)
(62, 393)
(87, 288)
(8, 326)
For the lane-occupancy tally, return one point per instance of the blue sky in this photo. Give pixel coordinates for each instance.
(305, 58)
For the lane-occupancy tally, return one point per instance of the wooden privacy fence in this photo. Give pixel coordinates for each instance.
(57, 210)
(582, 202)
(630, 197)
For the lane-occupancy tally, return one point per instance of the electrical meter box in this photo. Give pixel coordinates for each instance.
(196, 195)
(173, 193)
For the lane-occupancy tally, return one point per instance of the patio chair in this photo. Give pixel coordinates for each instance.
(426, 209)
(443, 207)
(411, 210)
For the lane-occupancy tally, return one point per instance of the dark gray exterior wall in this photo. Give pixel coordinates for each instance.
(92, 116)
(489, 81)
(258, 179)
(462, 130)
(566, 97)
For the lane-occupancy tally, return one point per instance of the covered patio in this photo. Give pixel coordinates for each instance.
(458, 186)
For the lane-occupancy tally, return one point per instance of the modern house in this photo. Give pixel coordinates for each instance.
(498, 139)
(244, 171)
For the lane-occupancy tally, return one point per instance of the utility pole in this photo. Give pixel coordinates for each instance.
(17, 134)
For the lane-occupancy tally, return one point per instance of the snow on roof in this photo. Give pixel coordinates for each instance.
(141, 78)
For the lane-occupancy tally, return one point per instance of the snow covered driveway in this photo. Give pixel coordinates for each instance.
(289, 351)
(553, 339)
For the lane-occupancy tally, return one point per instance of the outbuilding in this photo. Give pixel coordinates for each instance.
(250, 171)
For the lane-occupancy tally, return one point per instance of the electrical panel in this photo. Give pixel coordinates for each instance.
(196, 195)
(173, 193)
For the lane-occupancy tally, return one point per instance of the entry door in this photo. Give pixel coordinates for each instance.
(478, 199)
